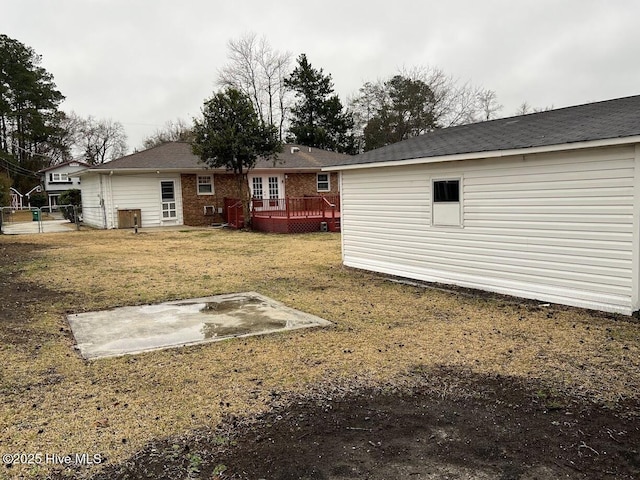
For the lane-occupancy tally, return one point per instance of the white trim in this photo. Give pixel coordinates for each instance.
(460, 201)
(210, 177)
(635, 266)
(265, 184)
(144, 171)
(341, 215)
(490, 154)
(169, 210)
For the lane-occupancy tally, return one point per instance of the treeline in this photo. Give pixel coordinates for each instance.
(295, 99)
(34, 132)
(300, 102)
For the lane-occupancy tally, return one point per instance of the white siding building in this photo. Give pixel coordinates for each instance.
(59, 178)
(547, 206)
(156, 199)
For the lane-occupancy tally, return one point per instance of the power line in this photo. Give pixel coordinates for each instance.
(15, 145)
(17, 169)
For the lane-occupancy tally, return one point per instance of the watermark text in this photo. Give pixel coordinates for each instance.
(51, 459)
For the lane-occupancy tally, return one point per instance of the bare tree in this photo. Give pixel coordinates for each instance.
(543, 109)
(259, 71)
(455, 103)
(101, 140)
(488, 104)
(173, 131)
(524, 108)
(364, 106)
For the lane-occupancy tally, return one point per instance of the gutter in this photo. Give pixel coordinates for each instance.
(488, 154)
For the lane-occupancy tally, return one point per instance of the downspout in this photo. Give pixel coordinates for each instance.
(340, 186)
(111, 213)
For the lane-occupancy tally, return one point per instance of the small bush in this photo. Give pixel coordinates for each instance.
(38, 200)
(70, 197)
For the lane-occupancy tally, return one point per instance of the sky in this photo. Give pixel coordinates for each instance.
(146, 62)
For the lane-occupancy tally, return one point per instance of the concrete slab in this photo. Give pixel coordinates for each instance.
(128, 330)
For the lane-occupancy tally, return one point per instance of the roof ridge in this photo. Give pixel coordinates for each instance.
(605, 119)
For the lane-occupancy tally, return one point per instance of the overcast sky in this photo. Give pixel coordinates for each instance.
(145, 62)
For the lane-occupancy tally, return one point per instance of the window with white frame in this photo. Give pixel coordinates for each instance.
(446, 202)
(274, 188)
(323, 182)
(257, 187)
(59, 177)
(205, 185)
(167, 189)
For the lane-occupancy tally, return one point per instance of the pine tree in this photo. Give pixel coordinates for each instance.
(319, 119)
(29, 115)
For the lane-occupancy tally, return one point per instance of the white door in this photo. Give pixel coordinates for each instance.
(267, 191)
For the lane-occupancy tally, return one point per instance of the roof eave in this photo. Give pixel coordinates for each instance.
(134, 171)
(609, 142)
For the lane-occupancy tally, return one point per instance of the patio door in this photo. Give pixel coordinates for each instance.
(267, 191)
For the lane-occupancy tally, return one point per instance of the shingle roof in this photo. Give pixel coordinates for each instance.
(63, 164)
(167, 156)
(593, 121)
(178, 156)
(300, 157)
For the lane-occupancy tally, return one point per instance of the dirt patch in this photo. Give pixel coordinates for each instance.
(453, 426)
(19, 297)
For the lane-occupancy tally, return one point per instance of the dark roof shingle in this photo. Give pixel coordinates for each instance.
(593, 121)
(178, 156)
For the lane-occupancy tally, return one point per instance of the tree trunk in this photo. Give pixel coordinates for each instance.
(244, 195)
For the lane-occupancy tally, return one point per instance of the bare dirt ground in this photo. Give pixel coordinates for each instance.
(454, 426)
(380, 396)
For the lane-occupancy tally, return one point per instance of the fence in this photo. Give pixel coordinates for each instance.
(12, 220)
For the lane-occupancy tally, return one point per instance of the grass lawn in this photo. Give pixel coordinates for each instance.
(24, 216)
(55, 402)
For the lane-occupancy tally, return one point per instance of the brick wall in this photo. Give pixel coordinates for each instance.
(193, 204)
(301, 184)
(296, 185)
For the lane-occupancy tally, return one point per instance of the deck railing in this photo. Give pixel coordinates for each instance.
(321, 208)
(291, 207)
(233, 211)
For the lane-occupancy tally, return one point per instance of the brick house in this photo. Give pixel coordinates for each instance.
(169, 185)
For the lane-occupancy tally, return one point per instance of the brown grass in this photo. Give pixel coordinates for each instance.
(23, 216)
(54, 402)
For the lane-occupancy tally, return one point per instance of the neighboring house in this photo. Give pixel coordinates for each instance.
(60, 178)
(543, 206)
(169, 185)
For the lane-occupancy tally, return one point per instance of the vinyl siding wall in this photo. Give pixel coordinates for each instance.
(554, 227)
(143, 192)
(122, 192)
